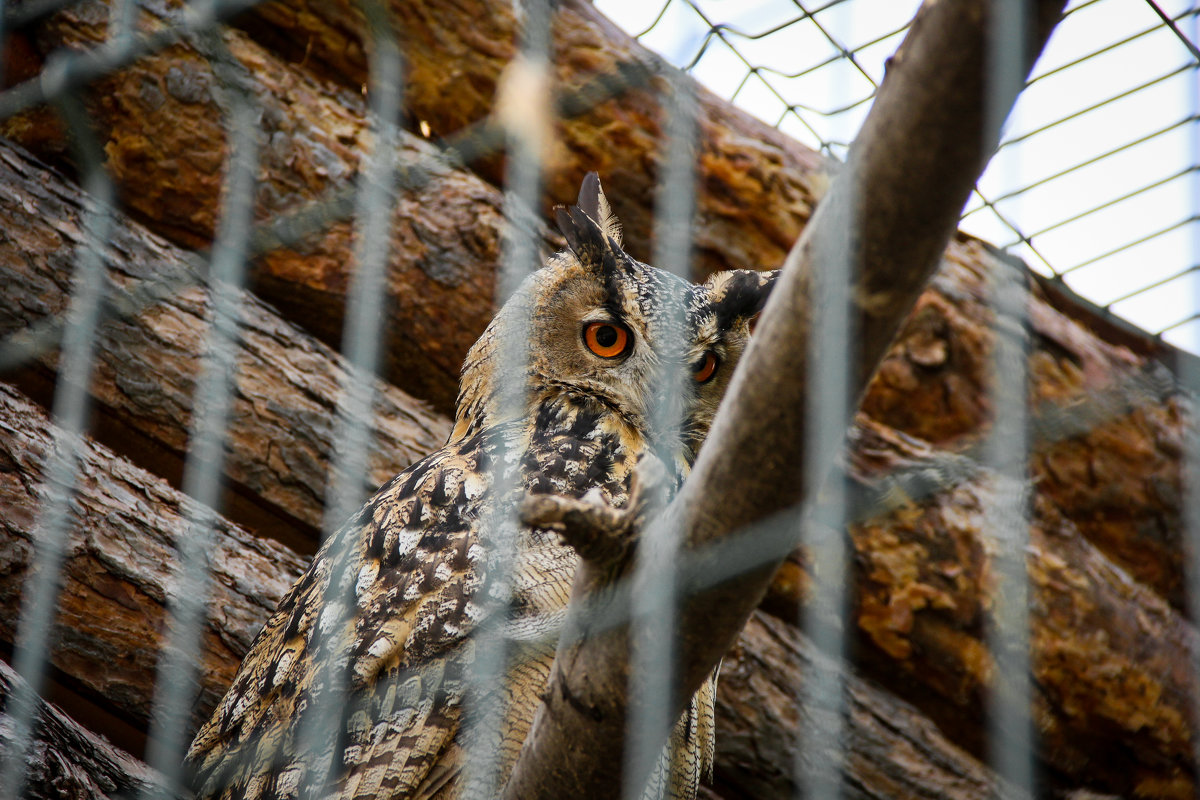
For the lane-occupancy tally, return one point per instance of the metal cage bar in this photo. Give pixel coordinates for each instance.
(663, 574)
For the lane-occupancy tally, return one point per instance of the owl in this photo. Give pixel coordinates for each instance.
(374, 646)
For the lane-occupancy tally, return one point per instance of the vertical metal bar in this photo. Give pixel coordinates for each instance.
(3, 40)
(1191, 381)
(346, 491)
(176, 682)
(526, 134)
(365, 309)
(122, 15)
(39, 597)
(1010, 727)
(655, 590)
(820, 758)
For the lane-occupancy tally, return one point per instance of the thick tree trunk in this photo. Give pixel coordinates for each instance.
(65, 760)
(286, 383)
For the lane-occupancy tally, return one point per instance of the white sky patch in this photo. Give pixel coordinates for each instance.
(1097, 180)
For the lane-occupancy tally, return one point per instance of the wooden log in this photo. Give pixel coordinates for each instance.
(755, 186)
(1120, 484)
(762, 725)
(934, 384)
(117, 575)
(286, 383)
(66, 760)
(1106, 436)
(1111, 660)
(117, 571)
(163, 132)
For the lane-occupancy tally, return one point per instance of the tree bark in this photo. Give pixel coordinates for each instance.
(924, 143)
(66, 760)
(932, 384)
(1111, 660)
(286, 383)
(118, 570)
(890, 749)
(163, 131)
(117, 575)
(1106, 432)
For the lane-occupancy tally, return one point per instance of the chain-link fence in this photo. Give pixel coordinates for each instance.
(1092, 183)
(136, 252)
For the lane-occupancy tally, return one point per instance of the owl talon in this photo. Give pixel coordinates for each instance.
(595, 530)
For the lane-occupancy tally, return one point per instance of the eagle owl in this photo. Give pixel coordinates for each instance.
(396, 597)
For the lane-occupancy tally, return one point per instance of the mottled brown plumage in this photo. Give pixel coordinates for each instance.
(358, 685)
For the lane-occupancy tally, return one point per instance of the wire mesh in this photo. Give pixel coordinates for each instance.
(1099, 163)
(820, 99)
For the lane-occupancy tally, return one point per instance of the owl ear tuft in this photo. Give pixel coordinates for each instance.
(593, 203)
(592, 245)
(739, 294)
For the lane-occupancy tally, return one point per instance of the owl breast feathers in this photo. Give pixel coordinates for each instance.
(360, 683)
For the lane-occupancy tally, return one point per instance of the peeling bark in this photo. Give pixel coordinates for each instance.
(1111, 660)
(286, 384)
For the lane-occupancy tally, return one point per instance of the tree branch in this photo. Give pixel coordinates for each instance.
(912, 167)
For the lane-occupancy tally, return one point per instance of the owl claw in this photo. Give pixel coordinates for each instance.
(598, 531)
(595, 530)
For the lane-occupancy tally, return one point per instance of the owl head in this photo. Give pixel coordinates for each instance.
(597, 326)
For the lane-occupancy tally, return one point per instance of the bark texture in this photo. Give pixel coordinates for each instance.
(1110, 659)
(65, 760)
(117, 577)
(163, 131)
(286, 383)
(755, 186)
(891, 749)
(118, 571)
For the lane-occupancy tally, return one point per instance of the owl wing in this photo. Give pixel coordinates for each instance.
(404, 572)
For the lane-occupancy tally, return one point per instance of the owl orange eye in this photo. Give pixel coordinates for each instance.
(606, 339)
(705, 368)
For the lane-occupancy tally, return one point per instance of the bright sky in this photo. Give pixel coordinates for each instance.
(1099, 170)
